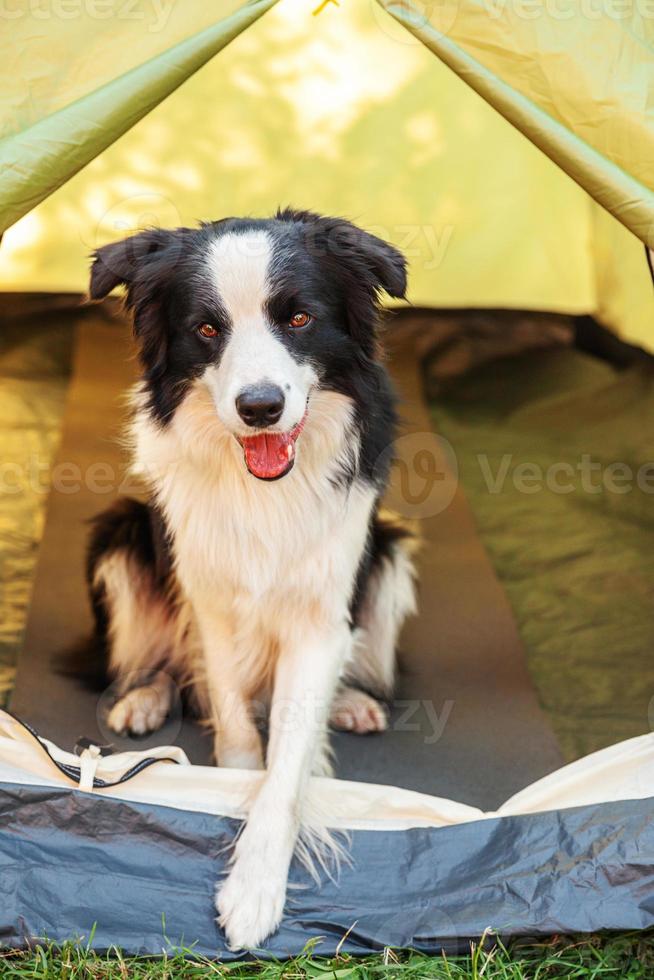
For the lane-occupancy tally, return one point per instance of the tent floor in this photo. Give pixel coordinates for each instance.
(35, 355)
(577, 564)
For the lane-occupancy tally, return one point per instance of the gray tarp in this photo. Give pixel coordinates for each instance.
(144, 876)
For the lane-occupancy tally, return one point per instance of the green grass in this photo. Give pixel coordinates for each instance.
(629, 956)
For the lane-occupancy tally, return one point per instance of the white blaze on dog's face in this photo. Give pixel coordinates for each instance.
(259, 388)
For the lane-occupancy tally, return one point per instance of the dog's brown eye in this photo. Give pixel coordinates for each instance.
(207, 331)
(300, 319)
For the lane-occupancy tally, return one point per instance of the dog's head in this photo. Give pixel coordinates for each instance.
(260, 311)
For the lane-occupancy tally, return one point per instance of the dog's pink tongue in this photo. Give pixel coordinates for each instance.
(269, 455)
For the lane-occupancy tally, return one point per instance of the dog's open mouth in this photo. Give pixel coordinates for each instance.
(270, 455)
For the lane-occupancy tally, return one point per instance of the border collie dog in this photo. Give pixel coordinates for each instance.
(261, 567)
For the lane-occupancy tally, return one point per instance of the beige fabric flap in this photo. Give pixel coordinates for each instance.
(621, 772)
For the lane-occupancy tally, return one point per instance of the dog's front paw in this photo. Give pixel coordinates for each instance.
(355, 711)
(140, 711)
(250, 905)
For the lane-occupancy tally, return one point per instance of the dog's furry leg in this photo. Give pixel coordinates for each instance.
(389, 598)
(237, 743)
(251, 902)
(138, 624)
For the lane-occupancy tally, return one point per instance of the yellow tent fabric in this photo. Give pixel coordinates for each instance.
(576, 78)
(348, 111)
(71, 88)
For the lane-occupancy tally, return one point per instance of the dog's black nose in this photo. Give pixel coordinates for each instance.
(261, 406)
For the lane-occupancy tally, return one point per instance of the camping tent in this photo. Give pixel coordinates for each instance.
(345, 109)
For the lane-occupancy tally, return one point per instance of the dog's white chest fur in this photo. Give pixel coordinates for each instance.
(272, 545)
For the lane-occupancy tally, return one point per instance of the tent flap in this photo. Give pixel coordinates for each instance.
(38, 159)
(578, 89)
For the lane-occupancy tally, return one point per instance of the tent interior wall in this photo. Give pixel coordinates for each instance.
(349, 113)
(529, 334)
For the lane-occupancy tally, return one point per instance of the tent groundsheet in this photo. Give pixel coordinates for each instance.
(555, 455)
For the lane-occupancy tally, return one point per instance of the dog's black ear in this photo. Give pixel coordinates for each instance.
(385, 262)
(144, 263)
(118, 263)
(367, 265)
(382, 265)
(364, 265)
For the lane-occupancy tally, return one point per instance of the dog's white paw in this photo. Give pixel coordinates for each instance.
(356, 711)
(250, 905)
(142, 710)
